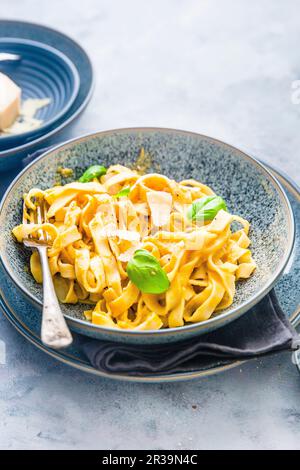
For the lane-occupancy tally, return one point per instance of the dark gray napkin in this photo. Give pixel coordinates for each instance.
(262, 330)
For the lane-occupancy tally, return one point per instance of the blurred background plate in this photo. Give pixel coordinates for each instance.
(13, 157)
(42, 72)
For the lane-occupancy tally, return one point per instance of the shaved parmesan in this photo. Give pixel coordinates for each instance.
(141, 208)
(32, 105)
(24, 120)
(160, 204)
(20, 126)
(127, 235)
(245, 270)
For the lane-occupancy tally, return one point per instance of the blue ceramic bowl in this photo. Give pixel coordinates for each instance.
(13, 157)
(42, 72)
(246, 185)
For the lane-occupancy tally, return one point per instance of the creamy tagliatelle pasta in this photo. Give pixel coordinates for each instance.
(99, 229)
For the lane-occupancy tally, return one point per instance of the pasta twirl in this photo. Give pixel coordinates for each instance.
(100, 228)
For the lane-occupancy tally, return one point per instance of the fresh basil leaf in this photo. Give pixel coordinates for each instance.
(146, 273)
(206, 208)
(123, 193)
(94, 171)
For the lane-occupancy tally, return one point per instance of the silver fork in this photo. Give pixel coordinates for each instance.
(54, 331)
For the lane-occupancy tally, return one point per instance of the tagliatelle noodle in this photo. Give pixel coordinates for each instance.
(93, 234)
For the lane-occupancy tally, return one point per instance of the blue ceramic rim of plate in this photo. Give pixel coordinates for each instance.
(72, 361)
(75, 77)
(63, 124)
(216, 321)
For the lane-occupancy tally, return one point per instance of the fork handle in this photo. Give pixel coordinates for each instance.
(54, 332)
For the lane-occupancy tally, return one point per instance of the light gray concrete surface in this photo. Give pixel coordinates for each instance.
(222, 68)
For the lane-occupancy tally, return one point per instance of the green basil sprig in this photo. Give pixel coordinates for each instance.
(206, 208)
(94, 171)
(123, 193)
(146, 273)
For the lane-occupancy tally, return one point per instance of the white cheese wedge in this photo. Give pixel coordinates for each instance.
(160, 204)
(10, 101)
(110, 232)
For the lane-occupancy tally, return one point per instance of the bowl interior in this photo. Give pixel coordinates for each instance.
(43, 72)
(245, 185)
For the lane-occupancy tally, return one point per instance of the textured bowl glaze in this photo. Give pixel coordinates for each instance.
(43, 72)
(246, 185)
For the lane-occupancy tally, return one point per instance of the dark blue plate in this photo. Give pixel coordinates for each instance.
(9, 28)
(42, 72)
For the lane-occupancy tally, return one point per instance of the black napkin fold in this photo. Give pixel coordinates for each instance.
(262, 330)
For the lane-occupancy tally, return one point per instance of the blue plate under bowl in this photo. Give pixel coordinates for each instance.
(12, 157)
(247, 187)
(42, 72)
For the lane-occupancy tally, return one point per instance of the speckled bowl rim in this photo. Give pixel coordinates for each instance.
(75, 87)
(214, 322)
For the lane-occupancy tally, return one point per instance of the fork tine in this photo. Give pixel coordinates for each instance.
(44, 216)
(39, 216)
(54, 331)
(24, 218)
